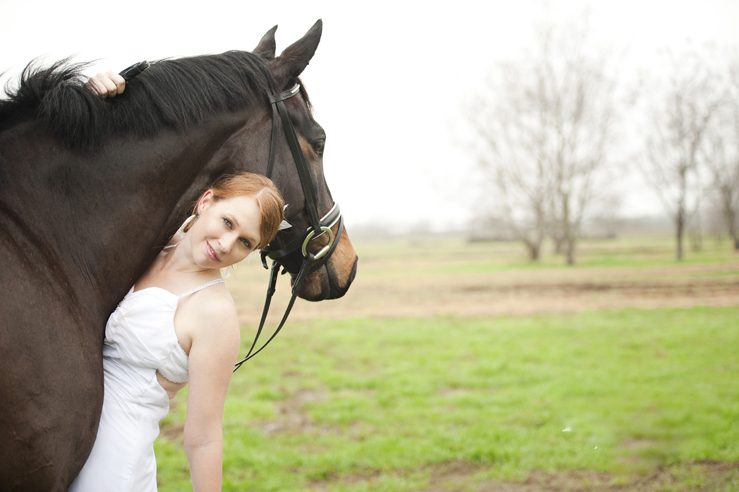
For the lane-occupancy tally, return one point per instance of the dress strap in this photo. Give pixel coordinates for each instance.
(192, 291)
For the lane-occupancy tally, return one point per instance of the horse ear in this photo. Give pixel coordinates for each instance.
(291, 62)
(266, 47)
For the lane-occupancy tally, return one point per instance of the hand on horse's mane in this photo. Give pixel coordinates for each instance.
(107, 84)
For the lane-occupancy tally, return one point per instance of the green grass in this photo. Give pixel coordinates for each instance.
(365, 404)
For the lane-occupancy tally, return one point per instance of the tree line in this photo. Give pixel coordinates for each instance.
(551, 127)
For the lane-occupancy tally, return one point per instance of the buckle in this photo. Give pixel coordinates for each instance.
(323, 250)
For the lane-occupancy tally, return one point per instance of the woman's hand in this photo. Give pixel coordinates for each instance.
(107, 84)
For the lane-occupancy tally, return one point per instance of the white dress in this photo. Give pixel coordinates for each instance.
(139, 341)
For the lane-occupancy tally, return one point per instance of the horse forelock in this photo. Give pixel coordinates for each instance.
(173, 94)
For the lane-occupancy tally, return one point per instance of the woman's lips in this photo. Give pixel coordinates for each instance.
(212, 253)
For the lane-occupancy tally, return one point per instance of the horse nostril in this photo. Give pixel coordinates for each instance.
(353, 273)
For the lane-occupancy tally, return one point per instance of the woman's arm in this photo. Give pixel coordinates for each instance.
(214, 330)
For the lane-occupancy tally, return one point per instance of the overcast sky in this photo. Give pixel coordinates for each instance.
(387, 80)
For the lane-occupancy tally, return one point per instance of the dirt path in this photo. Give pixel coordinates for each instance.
(702, 476)
(705, 477)
(510, 292)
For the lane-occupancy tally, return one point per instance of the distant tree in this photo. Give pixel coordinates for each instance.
(544, 124)
(681, 100)
(720, 155)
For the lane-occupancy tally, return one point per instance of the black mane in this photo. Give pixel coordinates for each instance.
(171, 94)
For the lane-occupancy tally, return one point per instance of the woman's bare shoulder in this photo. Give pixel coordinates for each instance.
(215, 304)
(210, 312)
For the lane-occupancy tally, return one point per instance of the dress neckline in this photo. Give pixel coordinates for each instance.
(177, 299)
(178, 345)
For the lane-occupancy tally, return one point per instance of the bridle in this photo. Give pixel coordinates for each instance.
(318, 226)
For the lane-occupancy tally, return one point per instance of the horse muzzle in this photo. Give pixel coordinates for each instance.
(334, 277)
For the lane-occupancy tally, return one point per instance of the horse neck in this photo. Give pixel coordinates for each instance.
(98, 220)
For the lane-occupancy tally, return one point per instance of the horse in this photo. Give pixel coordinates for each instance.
(91, 189)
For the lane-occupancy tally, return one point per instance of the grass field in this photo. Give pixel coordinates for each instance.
(461, 367)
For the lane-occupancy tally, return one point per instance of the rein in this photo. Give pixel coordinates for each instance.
(318, 226)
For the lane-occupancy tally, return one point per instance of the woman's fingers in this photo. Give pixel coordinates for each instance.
(107, 84)
(118, 81)
(96, 86)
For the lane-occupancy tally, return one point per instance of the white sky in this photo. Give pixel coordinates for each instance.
(387, 80)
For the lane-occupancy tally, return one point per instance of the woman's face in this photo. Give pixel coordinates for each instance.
(226, 232)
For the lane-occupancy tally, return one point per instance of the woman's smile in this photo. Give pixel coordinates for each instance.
(212, 253)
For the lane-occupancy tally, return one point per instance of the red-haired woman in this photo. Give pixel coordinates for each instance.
(178, 324)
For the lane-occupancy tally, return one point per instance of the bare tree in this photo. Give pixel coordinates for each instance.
(720, 153)
(681, 101)
(544, 123)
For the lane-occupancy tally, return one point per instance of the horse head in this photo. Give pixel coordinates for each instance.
(331, 278)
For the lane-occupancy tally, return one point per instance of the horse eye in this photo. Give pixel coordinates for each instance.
(318, 146)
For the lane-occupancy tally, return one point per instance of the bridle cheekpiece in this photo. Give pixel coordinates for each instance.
(318, 226)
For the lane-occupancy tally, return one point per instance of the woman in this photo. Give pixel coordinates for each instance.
(178, 324)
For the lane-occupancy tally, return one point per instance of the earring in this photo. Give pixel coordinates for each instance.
(187, 221)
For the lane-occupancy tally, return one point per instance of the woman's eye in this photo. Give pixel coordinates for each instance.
(246, 243)
(228, 223)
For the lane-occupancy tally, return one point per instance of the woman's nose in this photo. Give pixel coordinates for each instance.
(227, 243)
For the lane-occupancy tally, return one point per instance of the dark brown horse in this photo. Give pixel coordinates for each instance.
(90, 190)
